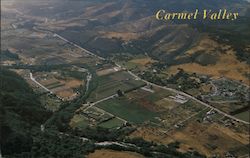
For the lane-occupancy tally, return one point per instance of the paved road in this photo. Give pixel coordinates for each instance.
(89, 77)
(102, 100)
(81, 138)
(122, 144)
(83, 49)
(99, 101)
(163, 87)
(46, 89)
(207, 105)
(34, 80)
(102, 144)
(125, 121)
(224, 102)
(193, 98)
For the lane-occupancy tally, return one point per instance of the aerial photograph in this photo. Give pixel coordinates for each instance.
(125, 79)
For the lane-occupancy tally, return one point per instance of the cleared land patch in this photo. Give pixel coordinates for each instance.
(107, 71)
(143, 61)
(64, 86)
(79, 121)
(167, 103)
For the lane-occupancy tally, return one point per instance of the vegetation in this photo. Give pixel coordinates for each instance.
(109, 85)
(74, 74)
(62, 118)
(22, 111)
(127, 110)
(150, 149)
(21, 116)
(236, 35)
(6, 54)
(113, 123)
(182, 79)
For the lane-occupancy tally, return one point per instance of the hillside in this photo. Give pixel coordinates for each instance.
(21, 136)
(110, 28)
(21, 115)
(20, 111)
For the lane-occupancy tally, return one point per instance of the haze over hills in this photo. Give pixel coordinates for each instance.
(111, 27)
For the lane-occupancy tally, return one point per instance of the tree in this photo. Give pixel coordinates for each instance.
(120, 93)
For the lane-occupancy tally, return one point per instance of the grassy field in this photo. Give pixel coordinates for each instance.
(79, 121)
(153, 97)
(54, 85)
(113, 123)
(127, 110)
(109, 84)
(143, 61)
(148, 100)
(137, 63)
(243, 116)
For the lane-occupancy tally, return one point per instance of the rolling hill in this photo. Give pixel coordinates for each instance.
(110, 27)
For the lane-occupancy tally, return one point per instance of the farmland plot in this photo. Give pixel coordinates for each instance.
(109, 85)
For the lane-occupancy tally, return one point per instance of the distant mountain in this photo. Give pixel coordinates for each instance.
(96, 24)
(63, 9)
(109, 27)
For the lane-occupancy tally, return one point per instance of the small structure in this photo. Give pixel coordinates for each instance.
(120, 93)
(42, 128)
(179, 99)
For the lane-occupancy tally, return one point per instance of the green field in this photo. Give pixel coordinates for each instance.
(82, 124)
(79, 121)
(158, 95)
(243, 116)
(109, 85)
(113, 123)
(127, 110)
